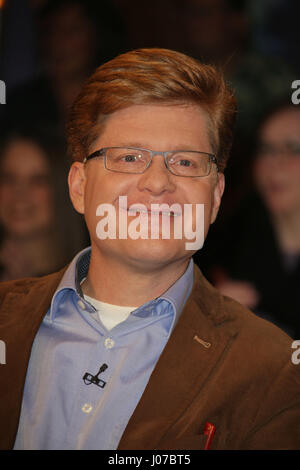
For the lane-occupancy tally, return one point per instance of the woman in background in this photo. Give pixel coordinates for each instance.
(40, 231)
(258, 262)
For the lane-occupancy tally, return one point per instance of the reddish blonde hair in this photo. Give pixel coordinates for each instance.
(152, 76)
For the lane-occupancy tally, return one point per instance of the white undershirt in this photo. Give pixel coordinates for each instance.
(110, 315)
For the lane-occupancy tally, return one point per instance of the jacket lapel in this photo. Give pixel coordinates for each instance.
(18, 333)
(193, 350)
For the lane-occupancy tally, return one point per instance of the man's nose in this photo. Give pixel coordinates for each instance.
(157, 178)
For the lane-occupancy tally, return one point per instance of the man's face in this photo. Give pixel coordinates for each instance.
(154, 127)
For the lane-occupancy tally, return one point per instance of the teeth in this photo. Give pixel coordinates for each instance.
(175, 214)
(169, 214)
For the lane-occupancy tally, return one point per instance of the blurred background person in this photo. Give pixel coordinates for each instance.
(258, 260)
(275, 28)
(39, 230)
(221, 32)
(18, 53)
(72, 37)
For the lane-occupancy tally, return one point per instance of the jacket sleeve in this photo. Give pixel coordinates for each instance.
(278, 420)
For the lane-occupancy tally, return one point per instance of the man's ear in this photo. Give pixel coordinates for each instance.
(217, 196)
(76, 181)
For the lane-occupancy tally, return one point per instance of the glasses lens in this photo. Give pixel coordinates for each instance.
(189, 164)
(127, 160)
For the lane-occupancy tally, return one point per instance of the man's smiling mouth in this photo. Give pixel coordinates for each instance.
(134, 211)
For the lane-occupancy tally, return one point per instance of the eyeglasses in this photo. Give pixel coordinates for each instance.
(189, 163)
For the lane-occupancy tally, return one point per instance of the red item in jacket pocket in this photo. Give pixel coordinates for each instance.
(209, 430)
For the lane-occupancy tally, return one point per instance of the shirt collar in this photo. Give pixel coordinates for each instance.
(178, 293)
(77, 270)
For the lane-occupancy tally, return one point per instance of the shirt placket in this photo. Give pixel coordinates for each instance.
(90, 397)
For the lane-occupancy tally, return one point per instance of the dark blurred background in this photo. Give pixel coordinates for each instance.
(48, 48)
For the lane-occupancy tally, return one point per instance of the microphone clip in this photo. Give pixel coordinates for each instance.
(94, 379)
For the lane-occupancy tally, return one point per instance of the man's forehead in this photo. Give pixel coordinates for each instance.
(130, 126)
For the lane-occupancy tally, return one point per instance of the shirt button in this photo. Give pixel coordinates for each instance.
(81, 304)
(87, 408)
(109, 343)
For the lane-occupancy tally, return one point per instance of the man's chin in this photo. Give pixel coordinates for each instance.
(157, 249)
(149, 254)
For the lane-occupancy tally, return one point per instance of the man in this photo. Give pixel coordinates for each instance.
(130, 347)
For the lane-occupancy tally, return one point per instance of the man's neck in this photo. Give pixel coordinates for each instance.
(114, 282)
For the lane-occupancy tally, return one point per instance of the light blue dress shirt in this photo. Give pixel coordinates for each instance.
(61, 410)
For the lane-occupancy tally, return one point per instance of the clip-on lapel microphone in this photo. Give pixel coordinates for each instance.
(93, 379)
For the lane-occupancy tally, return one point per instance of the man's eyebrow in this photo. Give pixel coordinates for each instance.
(148, 147)
(129, 144)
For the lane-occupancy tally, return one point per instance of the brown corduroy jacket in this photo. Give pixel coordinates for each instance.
(222, 365)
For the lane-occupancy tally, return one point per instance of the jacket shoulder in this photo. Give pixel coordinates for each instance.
(25, 285)
(261, 345)
(255, 339)
(254, 327)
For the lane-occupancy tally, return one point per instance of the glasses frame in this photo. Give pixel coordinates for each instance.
(102, 153)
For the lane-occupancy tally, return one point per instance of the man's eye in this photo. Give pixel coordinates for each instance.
(130, 158)
(185, 163)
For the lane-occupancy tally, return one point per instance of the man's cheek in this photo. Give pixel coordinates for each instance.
(194, 226)
(90, 214)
